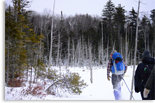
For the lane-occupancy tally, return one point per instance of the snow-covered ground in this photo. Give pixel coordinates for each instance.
(100, 89)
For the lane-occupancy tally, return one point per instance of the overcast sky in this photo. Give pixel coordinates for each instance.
(92, 7)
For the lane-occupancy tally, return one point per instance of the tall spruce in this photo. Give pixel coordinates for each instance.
(19, 33)
(119, 18)
(107, 16)
(144, 27)
(132, 17)
(153, 25)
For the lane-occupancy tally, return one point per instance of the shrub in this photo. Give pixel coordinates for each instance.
(70, 82)
(15, 82)
(35, 90)
(75, 83)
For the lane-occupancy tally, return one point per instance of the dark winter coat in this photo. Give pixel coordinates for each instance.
(139, 82)
(151, 81)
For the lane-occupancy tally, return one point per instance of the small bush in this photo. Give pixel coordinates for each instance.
(15, 82)
(75, 84)
(70, 82)
(36, 90)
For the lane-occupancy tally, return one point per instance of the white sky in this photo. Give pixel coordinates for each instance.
(92, 7)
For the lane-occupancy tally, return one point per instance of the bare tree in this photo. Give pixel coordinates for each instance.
(99, 54)
(102, 41)
(136, 39)
(46, 32)
(144, 30)
(126, 45)
(73, 53)
(50, 54)
(107, 53)
(68, 51)
(78, 51)
(59, 43)
(90, 61)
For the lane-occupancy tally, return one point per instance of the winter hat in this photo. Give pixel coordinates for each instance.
(146, 54)
(113, 51)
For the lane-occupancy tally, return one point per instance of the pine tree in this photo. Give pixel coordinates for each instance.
(144, 26)
(9, 34)
(132, 18)
(19, 37)
(153, 25)
(119, 18)
(107, 16)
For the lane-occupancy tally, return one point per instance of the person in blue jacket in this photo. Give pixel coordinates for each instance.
(115, 78)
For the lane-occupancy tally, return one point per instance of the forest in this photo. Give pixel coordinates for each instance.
(46, 40)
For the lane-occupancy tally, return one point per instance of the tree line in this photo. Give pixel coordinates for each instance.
(79, 40)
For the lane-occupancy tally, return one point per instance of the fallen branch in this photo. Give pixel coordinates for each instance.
(54, 84)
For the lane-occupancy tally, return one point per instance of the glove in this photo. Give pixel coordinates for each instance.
(136, 89)
(108, 77)
(145, 92)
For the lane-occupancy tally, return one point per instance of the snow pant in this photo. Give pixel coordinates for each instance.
(116, 79)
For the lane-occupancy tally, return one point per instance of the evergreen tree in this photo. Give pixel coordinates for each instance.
(153, 26)
(144, 37)
(108, 16)
(19, 34)
(132, 17)
(10, 31)
(119, 18)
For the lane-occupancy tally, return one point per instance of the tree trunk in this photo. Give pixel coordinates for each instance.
(73, 53)
(7, 63)
(126, 46)
(99, 56)
(78, 50)
(27, 63)
(135, 53)
(86, 50)
(68, 63)
(90, 62)
(102, 42)
(107, 51)
(57, 60)
(50, 54)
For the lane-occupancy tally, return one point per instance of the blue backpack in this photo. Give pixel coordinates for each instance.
(118, 66)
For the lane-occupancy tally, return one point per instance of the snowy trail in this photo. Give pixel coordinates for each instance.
(100, 89)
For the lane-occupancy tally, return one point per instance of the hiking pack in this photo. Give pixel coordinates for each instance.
(118, 66)
(145, 74)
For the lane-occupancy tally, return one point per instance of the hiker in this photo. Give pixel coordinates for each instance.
(142, 74)
(117, 75)
(150, 85)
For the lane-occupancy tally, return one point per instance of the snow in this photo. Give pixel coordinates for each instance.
(100, 89)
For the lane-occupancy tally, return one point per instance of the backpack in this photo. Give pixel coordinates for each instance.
(118, 66)
(145, 74)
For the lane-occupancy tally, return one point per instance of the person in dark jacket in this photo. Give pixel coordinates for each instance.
(149, 83)
(142, 74)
